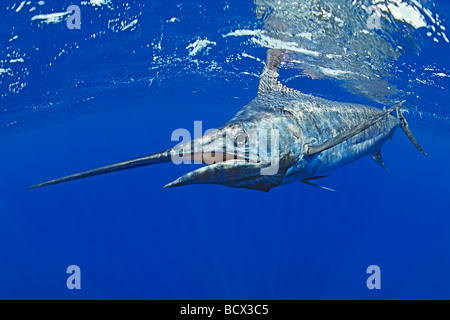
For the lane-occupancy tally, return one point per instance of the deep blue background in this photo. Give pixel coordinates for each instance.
(134, 239)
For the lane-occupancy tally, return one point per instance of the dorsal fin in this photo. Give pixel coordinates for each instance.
(268, 81)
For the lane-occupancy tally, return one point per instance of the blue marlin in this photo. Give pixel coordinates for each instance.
(314, 137)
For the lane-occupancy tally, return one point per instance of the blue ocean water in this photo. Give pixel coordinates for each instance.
(116, 89)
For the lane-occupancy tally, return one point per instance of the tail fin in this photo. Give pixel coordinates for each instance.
(405, 128)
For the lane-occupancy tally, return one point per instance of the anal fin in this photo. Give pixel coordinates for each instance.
(379, 159)
(308, 182)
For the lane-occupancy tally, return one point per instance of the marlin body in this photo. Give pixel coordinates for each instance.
(309, 137)
(310, 121)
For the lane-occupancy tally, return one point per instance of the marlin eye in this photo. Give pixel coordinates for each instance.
(241, 139)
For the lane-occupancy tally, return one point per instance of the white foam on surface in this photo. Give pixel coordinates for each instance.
(56, 17)
(259, 38)
(16, 60)
(242, 32)
(129, 25)
(197, 46)
(245, 55)
(20, 6)
(402, 11)
(99, 2)
(334, 73)
(269, 42)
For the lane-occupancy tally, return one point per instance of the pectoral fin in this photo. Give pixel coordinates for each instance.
(308, 182)
(312, 150)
